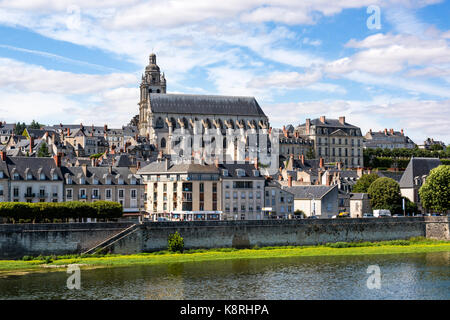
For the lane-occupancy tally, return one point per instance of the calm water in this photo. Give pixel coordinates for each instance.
(406, 276)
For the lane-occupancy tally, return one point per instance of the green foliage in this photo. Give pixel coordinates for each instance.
(435, 192)
(384, 193)
(176, 242)
(34, 125)
(399, 158)
(20, 127)
(363, 183)
(43, 150)
(95, 156)
(299, 212)
(436, 147)
(410, 207)
(310, 154)
(49, 211)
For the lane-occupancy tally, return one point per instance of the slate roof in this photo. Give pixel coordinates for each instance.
(232, 173)
(160, 167)
(389, 174)
(417, 167)
(34, 165)
(205, 104)
(309, 192)
(359, 196)
(333, 123)
(101, 174)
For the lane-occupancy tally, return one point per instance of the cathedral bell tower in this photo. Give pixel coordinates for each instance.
(152, 82)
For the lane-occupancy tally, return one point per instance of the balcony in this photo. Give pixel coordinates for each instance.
(82, 196)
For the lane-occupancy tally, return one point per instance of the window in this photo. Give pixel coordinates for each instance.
(133, 194)
(16, 191)
(42, 176)
(69, 193)
(108, 193)
(121, 193)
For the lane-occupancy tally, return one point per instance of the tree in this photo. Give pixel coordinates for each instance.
(435, 192)
(20, 128)
(384, 193)
(310, 154)
(35, 125)
(363, 183)
(436, 147)
(299, 212)
(43, 150)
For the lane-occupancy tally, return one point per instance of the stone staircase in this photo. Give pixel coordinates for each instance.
(104, 245)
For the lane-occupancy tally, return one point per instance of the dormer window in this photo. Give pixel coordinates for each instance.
(42, 176)
(225, 172)
(256, 173)
(1, 175)
(69, 180)
(240, 172)
(55, 176)
(16, 176)
(82, 180)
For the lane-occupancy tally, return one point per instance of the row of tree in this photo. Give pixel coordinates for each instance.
(379, 157)
(384, 193)
(62, 211)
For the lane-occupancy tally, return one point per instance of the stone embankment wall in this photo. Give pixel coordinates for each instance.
(28, 239)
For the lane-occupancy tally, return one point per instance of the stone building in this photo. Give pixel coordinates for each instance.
(278, 203)
(243, 191)
(162, 115)
(335, 140)
(182, 191)
(387, 139)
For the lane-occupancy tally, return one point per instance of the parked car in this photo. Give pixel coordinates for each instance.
(343, 215)
(312, 217)
(379, 213)
(367, 215)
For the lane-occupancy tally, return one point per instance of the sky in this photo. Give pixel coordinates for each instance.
(380, 63)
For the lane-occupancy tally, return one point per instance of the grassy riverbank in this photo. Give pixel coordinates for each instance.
(416, 245)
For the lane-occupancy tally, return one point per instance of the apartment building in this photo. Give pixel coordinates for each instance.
(279, 203)
(242, 191)
(335, 140)
(182, 191)
(34, 179)
(118, 184)
(387, 139)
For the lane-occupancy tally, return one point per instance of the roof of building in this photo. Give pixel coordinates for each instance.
(417, 167)
(205, 104)
(334, 123)
(100, 174)
(309, 192)
(248, 169)
(359, 196)
(169, 167)
(33, 165)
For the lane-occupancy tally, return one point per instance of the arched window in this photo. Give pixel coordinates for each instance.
(163, 143)
(159, 123)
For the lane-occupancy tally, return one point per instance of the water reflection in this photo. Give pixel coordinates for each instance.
(407, 276)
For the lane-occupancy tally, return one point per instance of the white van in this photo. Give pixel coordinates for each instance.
(378, 213)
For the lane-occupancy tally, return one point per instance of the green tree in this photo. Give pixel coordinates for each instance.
(310, 154)
(384, 193)
(435, 192)
(363, 183)
(19, 128)
(175, 242)
(436, 147)
(43, 150)
(35, 125)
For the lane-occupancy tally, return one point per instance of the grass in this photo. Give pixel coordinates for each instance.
(413, 245)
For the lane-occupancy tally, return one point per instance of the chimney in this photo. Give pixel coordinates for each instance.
(136, 137)
(342, 120)
(385, 131)
(329, 178)
(255, 162)
(321, 162)
(81, 126)
(296, 134)
(31, 143)
(57, 159)
(401, 131)
(370, 130)
(166, 164)
(84, 168)
(68, 131)
(322, 119)
(270, 130)
(392, 131)
(319, 178)
(339, 165)
(302, 157)
(359, 172)
(289, 181)
(93, 162)
(285, 132)
(308, 125)
(3, 155)
(138, 165)
(105, 127)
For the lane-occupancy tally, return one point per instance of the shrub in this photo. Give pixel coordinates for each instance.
(49, 211)
(175, 242)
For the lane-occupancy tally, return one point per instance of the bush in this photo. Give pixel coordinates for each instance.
(49, 211)
(176, 243)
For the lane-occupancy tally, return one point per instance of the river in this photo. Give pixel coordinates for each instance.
(403, 276)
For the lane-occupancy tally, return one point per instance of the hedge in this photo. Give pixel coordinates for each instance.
(40, 211)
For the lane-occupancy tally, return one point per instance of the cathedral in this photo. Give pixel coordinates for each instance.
(164, 117)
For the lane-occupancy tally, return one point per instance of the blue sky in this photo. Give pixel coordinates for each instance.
(81, 61)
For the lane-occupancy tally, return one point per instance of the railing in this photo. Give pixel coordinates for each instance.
(82, 196)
